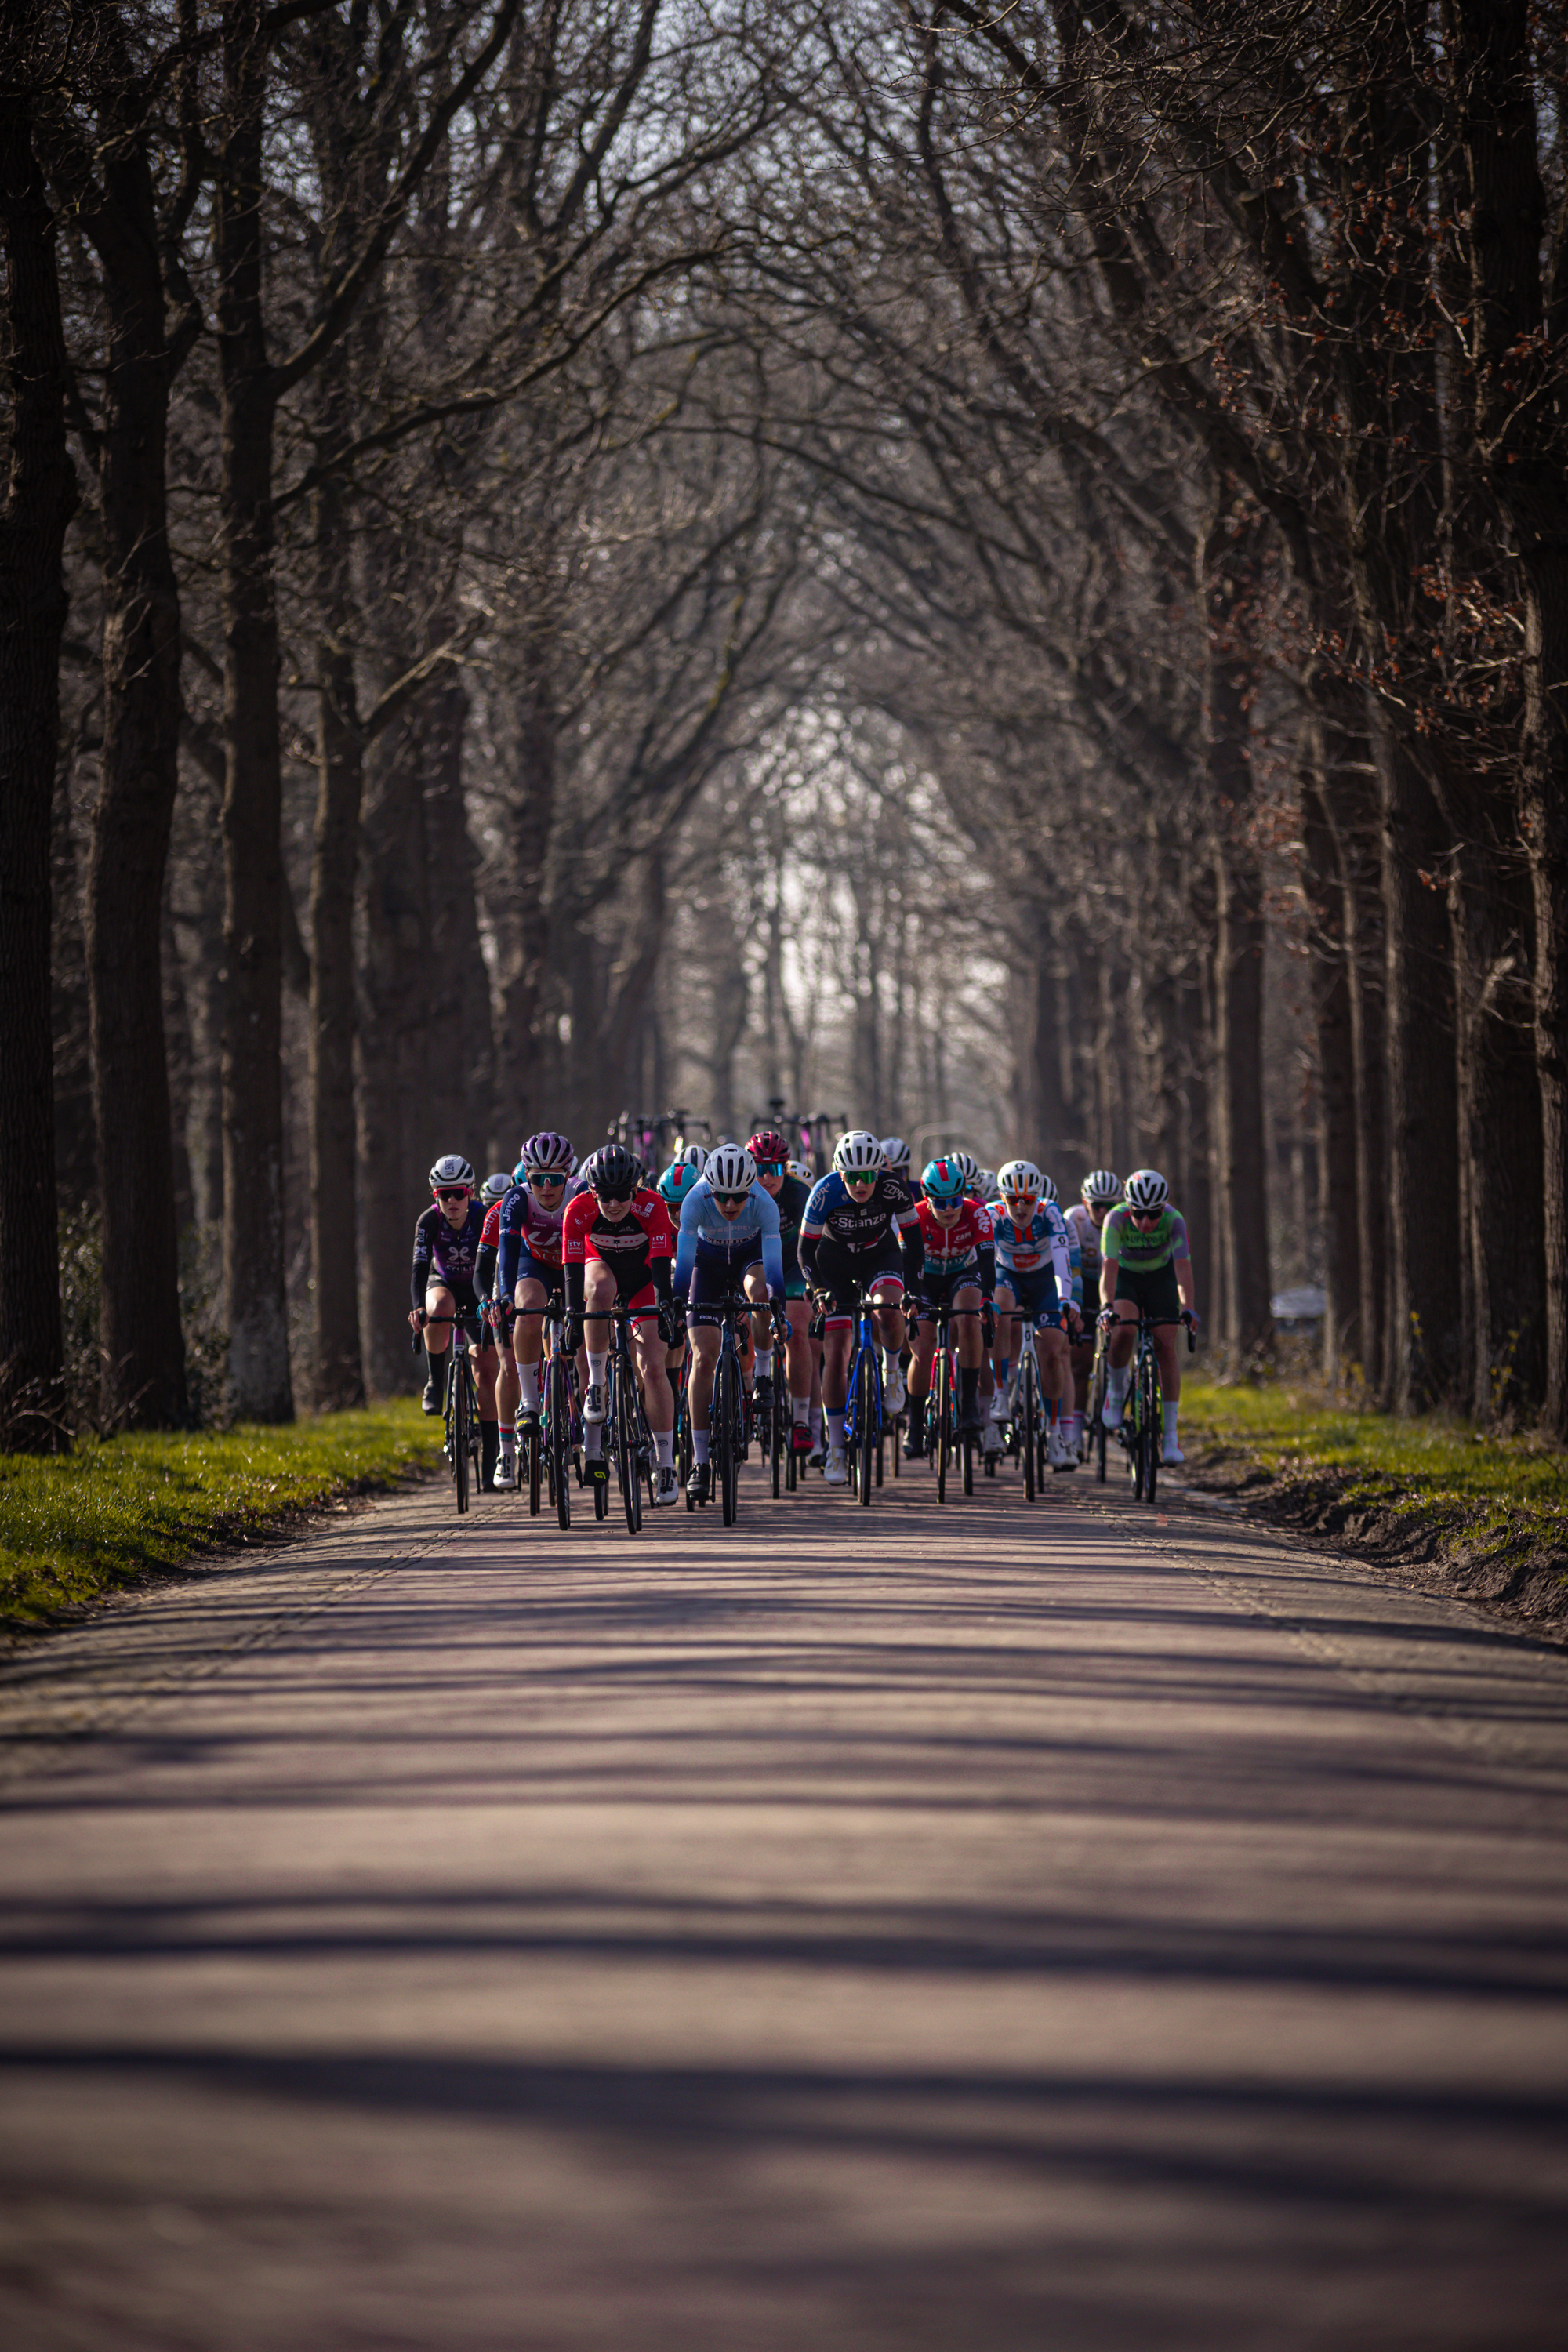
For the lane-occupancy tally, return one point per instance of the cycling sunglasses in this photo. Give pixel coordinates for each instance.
(616, 1193)
(770, 1167)
(860, 1180)
(733, 1199)
(1138, 1216)
(540, 1182)
(451, 1191)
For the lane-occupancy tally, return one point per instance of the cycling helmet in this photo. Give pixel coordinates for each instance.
(451, 1169)
(495, 1188)
(1050, 1193)
(968, 1163)
(942, 1180)
(612, 1172)
(857, 1153)
(693, 1155)
(676, 1182)
(768, 1144)
(546, 1154)
(1146, 1189)
(1101, 1184)
(1021, 1182)
(730, 1168)
(801, 1173)
(895, 1152)
(986, 1184)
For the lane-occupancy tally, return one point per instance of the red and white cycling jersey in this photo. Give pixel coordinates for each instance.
(953, 1250)
(645, 1231)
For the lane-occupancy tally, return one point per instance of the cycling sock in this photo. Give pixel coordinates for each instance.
(437, 1365)
(835, 1428)
(596, 1367)
(1072, 1428)
(968, 1387)
(815, 1417)
(764, 1368)
(528, 1383)
(699, 1446)
(592, 1440)
(801, 1407)
(507, 1430)
(890, 1359)
(1002, 1364)
(664, 1446)
(1052, 1407)
(1168, 1412)
(1116, 1384)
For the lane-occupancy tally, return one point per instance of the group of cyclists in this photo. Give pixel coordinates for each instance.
(552, 1253)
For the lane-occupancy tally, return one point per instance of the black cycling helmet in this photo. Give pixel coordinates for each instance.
(612, 1173)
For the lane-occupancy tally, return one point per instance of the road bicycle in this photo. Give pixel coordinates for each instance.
(1094, 1429)
(774, 1438)
(461, 1442)
(945, 1439)
(555, 1442)
(727, 1409)
(627, 1439)
(1142, 1413)
(863, 1415)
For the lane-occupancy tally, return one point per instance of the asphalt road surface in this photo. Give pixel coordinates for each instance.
(1060, 1928)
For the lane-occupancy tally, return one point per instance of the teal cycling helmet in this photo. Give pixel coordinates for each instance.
(944, 1179)
(678, 1180)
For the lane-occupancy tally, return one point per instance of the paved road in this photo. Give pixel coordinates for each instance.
(986, 1928)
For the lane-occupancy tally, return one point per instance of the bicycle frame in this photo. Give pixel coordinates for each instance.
(630, 1442)
(460, 1409)
(942, 1410)
(863, 1403)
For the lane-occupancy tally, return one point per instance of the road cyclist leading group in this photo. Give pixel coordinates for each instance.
(849, 1319)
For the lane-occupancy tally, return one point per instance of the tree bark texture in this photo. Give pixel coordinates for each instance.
(526, 1059)
(141, 1344)
(255, 1307)
(1336, 1067)
(40, 499)
(464, 1054)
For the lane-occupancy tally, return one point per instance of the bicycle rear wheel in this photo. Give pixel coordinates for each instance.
(1028, 1431)
(459, 1394)
(628, 1448)
(779, 1425)
(559, 1399)
(943, 1424)
(1133, 1409)
(724, 1439)
(866, 1415)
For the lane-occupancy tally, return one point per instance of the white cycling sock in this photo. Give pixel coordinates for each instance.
(1168, 1412)
(835, 1427)
(664, 1446)
(699, 1446)
(1072, 1428)
(764, 1368)
(592, 1440)
(801, 1406)
(598, 1367)
(528, 1384)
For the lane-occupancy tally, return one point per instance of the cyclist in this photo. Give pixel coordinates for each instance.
(960, 1270)
(617, 1246)
(729, 1228)
(672, 1189)
(496, 1309)
(1098, 1195)
(1146, 1268)
(859, 1232)
(895, 1152)
(789, 1196)
(1035, 1285)
(815, 1459)
(527, 1260)
(445, 1256)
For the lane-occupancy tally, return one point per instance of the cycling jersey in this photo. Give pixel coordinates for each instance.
(743, 1239)
(441, 1255)
(639, 1249)
(860, 1227)
(964, 1251)
(489, 1241)
(1030, 1248)
(529, 1231)
(1086, 1233)
(1141, 1251)
(790, 1201)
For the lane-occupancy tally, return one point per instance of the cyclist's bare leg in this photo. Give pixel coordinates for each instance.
(705, 1343)
(528, 1336)
(966, 1326)
(647, 1355)
(1120, 1351)
(1167, 1337)
(439, 1302)
(507, 1391)
(799, 1354)
(923, 1356)
(887, 1305)
(836, 1341)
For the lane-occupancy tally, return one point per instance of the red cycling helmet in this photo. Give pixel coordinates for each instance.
(768, 1144)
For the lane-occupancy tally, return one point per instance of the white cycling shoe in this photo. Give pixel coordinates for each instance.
(838, 1471)
(1058, 1454)
(668, 1489)
(505, 1472)
(1171, 1454)
(893, 1391)
(593, 1402)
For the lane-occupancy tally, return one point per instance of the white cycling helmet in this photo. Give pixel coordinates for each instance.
(1049, 1191)
(693, 1155)
(730, 1168)
(801, 1173)
(495, 1188)
(449, 1169)
(986, 1184)
(895, 1152)
(1146, 1189)
(858, 1153)
(1020, 1181)
(1101, 1184)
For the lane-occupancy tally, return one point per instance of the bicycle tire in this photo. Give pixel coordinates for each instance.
(776, 1432)
(737, 1444)
(460, 1435)
(721, 1431)
(863, 1414)
(1027, 1437)
(560, 1407)
(1154, 1432)
(629, 1464)
(943, 1423)
(1133, 1411)
(966, 1448)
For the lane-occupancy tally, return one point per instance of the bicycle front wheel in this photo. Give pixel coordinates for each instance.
(626, 1442)
(559, 1401)
(943, 1424)
(460, 1435)
(1030, 1419)
(724, 1441)
(868, 1434)
(1152, 1418)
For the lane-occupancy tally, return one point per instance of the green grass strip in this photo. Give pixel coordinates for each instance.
(75, 1526)
(1471, 1488)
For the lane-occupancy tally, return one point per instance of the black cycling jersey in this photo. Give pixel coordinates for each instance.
(442, 1256)
(790, 1201)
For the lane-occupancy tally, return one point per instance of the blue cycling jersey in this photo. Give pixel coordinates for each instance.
(753, 1235)
(1045, 1239)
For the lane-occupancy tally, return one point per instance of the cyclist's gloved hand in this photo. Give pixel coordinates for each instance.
(669, 1324)
(1191, 1318)
(1106, 1319)
(570, 1335)
(988, 1321)
(781, 1322)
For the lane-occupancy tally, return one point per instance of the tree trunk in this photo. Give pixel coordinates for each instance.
(523, 1069)
(40, 499)
(337, 1370)
(1336, 1067)
(141, 1345)
(255, 1309)
(460, 1071)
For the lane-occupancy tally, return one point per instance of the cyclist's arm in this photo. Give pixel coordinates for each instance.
(421, 1279)
(685, 1242)
(575, 1263)
(913, 1243)
(1184, 1285)
(987, 1256)
(1110, 1260)
(506, 1254)
(806, 1247)
(485, 1271)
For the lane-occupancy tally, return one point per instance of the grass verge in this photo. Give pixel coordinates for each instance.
(79, 1525)
(1485, 1517)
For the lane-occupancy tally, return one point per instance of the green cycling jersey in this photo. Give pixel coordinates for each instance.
(1143, 1249)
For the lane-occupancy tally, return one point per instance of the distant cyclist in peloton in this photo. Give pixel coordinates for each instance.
(446, 1257)
(529, 1254)
(497, 1308)
(728, 1240)
(960, 1272)
(789, 1194)
(1098, 1194)
(617, 1246)
(859, 1232)
(1034, 1292)
(1146, 1268)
